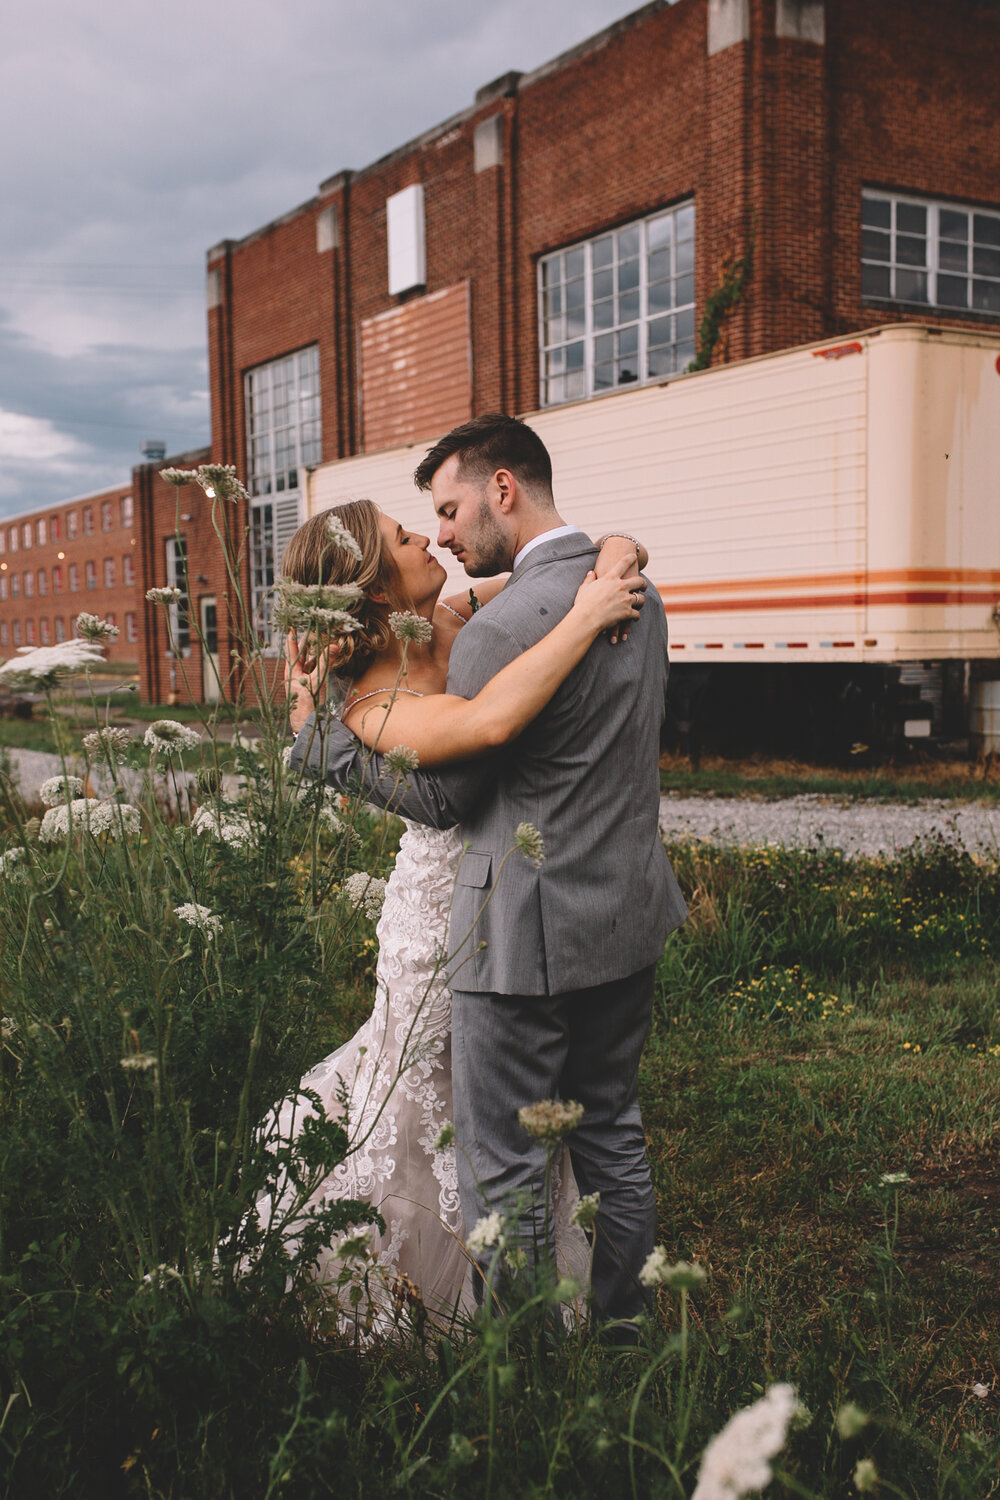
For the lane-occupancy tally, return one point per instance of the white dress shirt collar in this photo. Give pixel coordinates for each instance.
(546, 536)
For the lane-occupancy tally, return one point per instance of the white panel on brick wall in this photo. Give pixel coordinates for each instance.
(803, 19)
(728, 23)
(404, 215)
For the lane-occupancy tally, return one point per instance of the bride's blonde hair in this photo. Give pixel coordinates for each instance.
(313, 557)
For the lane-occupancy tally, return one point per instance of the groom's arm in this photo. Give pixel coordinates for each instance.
(439, 798)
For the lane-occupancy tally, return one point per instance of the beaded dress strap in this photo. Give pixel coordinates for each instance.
(375, 694)
(457, 613)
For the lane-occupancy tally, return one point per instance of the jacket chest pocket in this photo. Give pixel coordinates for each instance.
(474, 868)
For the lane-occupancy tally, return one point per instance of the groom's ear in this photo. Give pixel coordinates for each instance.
(505, 488)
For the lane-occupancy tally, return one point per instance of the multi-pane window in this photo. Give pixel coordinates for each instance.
(57, 579)
(40, 531)
(126, 510)
(91, 568)
(54, 528)
(17, 632)
(128, 568)
(15, 585)
(3, 542)
(44, 627)
(29, 632)
(29, 585)
(109, 572)
(619, 309)
(107, 520)
(3, 585)
(71, 523)
(13, 538)
(26, 534)
(939, 254)
(43, 582)
(60, 628)
(88, 520)
(3, 632)
(74, 578)
(180, 611)
(283, 421)
(131, 627)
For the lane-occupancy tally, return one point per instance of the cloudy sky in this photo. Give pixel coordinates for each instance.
(136, 135)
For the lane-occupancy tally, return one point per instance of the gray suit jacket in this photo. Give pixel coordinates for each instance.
(585, 774)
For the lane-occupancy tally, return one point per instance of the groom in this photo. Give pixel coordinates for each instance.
(554, 975)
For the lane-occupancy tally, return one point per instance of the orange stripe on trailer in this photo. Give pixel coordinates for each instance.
(857, 599)
(857, 580)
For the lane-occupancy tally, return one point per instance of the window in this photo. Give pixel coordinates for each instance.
(26, 535)
(3, 632)
(283, 435)
(54, 528)
(939, 254)
(29, 585)
(3, 542)
(13, 538)
(40, 532)
(71, 523)
(131, 627)
(111, 617)
(109, 572)
(3, 585)
(180, 612)
(107, 520)
(127, 511)
(15, 585)
(44, 629)
(88, 520)
(16, 631)
(128, 568)
(618, 309)
(72, 624)
(91, 571)
(29, 632)
(60, 628)
(74, 578)
(57, 580)
(43, 582)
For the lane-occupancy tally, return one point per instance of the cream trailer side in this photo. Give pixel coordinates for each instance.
(829, 516)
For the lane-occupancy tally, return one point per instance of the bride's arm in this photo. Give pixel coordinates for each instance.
(444, 728)
(611, 550)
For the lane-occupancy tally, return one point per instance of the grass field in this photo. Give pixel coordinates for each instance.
(901, 781)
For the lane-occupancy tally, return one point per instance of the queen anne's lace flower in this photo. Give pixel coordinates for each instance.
(894, 1179)
(232, 828)
(170, 738)
(318, 609)
(407, 626)
(341, 537)
(865, 1476)
(139, 1062)
(366, 892)
(550, 1120)
(56, 822)
(736, 1462)
(682, 1276)
(115, 818)
(220, 480)
(201, 917)
(166, 595)
(485, 1233)
(529, 842)
(59, 789)
(586, 1210)
(178, 477)
(38, 668)
(401, 760)
(93, 628)
(108, 744)
(12, 865)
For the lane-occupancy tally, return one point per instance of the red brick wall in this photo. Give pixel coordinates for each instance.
(31, 620)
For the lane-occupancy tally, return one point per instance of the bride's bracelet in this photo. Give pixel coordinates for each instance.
(624, 537)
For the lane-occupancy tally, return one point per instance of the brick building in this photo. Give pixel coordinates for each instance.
(80, 555)
(564, 236)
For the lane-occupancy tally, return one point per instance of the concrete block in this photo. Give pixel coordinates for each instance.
(728, 23)
(327, 229)
(487, 143)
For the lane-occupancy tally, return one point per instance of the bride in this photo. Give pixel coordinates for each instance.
(391, 1083)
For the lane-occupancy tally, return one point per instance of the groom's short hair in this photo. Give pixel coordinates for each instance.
(487, 443)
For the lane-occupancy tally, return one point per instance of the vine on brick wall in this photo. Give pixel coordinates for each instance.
(736, 272)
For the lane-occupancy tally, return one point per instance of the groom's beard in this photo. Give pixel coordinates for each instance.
(487, 548)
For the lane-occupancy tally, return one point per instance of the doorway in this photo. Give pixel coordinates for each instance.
(210, 688)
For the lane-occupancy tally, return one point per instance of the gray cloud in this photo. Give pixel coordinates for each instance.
(147, 133)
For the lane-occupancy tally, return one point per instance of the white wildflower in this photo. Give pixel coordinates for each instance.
(56, 822)
(59, 789)
(851, 1420)
(550, 1120)
(736, 1462)
(406, 626)
(201, 917)
(529, 842)
(865, 1476)
(979, 1390)
(355, 1246)
(485, 1233)
(115, 818)
(170, 738)
(108, 744)
(38, 668)
(178, 477)
(167, 595)
(329, 820)
(586, 1210)
(219, 480)
(317, 609)
(93, 628)
(894, 1179)
(657, 1270)
(365, 892)
(341, 537)
(401, 760)
(231, 827)
(12, 865)
(8, 1028)
(445, 1137)
(139, 1062)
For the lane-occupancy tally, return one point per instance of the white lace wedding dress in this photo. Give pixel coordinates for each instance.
(395, 1076)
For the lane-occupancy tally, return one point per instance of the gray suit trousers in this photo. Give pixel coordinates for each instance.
(511, 1050)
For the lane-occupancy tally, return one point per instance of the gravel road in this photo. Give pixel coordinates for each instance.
(856, 828)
